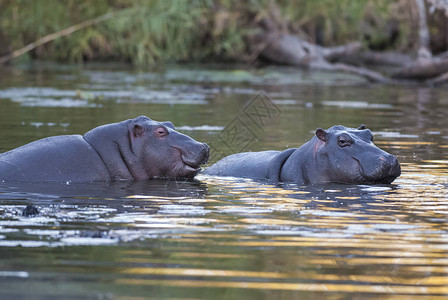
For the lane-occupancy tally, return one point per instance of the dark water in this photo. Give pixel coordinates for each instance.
(223, 238)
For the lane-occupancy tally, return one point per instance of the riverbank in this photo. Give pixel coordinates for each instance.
(154, 32)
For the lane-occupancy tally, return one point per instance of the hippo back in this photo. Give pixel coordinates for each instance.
(245, 165)
(57, 158)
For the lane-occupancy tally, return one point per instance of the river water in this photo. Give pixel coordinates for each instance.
(225, 238)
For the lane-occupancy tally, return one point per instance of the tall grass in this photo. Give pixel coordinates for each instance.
(146, 32)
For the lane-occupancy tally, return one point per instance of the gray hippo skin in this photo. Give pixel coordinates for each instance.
(339, 154)
(134, 149)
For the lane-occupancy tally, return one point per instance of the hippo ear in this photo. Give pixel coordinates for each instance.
(168, 124)
(138, 130)
(361, 127)
(321, 134)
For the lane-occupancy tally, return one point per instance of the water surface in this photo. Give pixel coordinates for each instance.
(224, 238)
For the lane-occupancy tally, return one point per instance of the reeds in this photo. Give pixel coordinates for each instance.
(147, 32)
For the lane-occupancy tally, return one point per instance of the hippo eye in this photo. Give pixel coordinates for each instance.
(161, 132)
(343, 143)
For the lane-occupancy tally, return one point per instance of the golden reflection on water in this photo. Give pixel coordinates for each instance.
(378, 240)
(348, 288)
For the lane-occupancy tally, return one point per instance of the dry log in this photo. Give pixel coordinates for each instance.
(439, 79)
(422, 70)
(335, 53)
(443, 55)
(285, 49)
(288, 49)
(385, 58)
(426, 67)
(375, 58)
(370, 75)
(292, 50)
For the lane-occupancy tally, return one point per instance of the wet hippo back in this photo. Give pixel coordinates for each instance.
(57, 158)
(245, 165)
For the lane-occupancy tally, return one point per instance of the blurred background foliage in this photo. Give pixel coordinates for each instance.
(145, 32)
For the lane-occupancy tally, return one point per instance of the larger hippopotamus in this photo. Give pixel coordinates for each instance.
(134, 149)
(339, 154)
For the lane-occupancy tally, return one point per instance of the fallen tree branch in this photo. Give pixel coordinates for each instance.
(443, 55)
(428, 68)
(375, 58)
(285, 49)
(280, 47)
(385, 58)
(334, 53)
(53, 36)
(439, 79)
(370, 75)
(289, 49)
(421, 70)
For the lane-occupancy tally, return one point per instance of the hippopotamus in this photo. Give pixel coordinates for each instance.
(134, 149)
(336, 155)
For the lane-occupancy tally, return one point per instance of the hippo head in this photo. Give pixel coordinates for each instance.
(349, 155)
(164, 152)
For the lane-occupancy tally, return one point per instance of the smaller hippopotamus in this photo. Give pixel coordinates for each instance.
(135, 149)
(339, 155)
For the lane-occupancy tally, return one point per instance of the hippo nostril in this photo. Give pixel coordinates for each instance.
(395, 168)
(197, 157)
(393, 161)
(206, 153)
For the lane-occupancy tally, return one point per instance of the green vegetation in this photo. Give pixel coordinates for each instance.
(147, 32)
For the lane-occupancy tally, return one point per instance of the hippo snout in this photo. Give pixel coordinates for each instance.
(382, 169)
(390, 169)
(395, 168)
(206, 151)
(198, 157)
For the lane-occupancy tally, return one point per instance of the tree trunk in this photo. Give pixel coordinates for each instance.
(423, 31)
